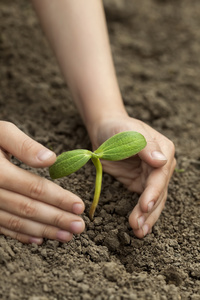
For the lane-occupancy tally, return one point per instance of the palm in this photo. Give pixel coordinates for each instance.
(132, 172)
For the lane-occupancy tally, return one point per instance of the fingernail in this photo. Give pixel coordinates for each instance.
(140, 221)
(150, 206)
(63, 236)
(145, 229)
(158, 155)
(77, 208)
(44, 154)
(76, 226)
(34, 240)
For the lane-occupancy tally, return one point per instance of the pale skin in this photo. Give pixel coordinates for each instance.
(33, 208)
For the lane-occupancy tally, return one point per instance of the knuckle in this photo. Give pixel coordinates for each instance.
(18, 237)
(27, 145)
(28, 209)
(60, 199)
(36, 188)
(21, 238)
(46, 232)
(59, 220)
(14, 224)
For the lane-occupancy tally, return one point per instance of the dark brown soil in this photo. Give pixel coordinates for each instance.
(156, 48)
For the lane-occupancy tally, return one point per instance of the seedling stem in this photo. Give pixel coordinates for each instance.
(118, 147)
(98, 182)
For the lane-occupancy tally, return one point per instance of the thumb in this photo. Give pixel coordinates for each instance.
(32, 153)
(153, 155)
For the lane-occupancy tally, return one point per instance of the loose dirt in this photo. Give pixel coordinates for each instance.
(156, 46)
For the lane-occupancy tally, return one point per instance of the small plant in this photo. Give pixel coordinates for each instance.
(118, 147)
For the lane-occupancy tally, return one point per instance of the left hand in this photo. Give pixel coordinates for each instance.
(147, 173)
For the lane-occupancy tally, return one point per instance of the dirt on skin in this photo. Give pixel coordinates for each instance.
(156, 49)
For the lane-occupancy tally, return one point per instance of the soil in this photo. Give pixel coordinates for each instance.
(156, 46)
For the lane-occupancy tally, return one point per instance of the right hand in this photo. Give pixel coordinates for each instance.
(148, 173)
(32, 207)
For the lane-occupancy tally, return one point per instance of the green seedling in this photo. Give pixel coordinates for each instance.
(118, 147)
(179, 170)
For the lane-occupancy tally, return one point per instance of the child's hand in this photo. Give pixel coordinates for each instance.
(31, 207)
(147, 173)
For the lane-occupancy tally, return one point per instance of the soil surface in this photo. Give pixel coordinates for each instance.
(156, 49)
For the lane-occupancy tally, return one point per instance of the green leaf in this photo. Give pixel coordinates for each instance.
(69, 162)
(121, 146)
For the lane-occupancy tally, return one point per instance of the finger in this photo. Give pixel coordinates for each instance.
(31, 228)
(137, 217)
(153, 191)
(151, 219)
(40, 212)
(23, 147)
(157, 183)
(32, 186)
(23, 238)
(154, 156)
(152, 200)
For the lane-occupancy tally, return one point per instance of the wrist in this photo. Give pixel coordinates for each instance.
(96, 105)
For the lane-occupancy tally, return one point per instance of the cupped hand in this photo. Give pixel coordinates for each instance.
(147, 173)
(31, 207)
